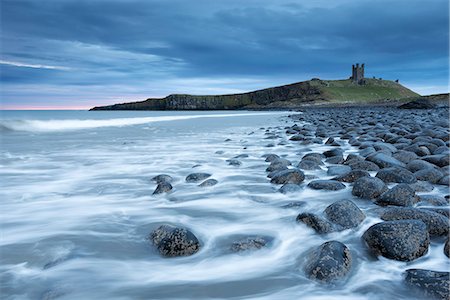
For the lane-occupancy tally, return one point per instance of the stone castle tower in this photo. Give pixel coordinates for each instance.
(358, 74)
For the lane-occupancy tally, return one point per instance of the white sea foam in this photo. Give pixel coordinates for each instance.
(78, 124)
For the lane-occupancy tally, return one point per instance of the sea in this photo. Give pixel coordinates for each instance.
(77, 207)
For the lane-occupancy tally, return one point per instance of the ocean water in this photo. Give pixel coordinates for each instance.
(77, 208)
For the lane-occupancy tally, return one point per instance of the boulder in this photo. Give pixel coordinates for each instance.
(416, 165)
(396, 174)
(430, 174)
(363, 165)
(248, 244)
(208, 182)
(278, 164)
(345, 213)
(368, 187)
(403, 240)
(437, 223)
(196, 177)
(289, 188)
(352, 176)
(330, 185)
(384, 161)
(163, 187)
(431, 283)
(338, 170)
(420, 103)
(288, 176)
(319, 224)
(400, 195)
(308, 164)
(447, 248)
(174, 241)
(162, 178)
(234, 162)
(329, 262)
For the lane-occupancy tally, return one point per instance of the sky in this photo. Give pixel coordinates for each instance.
(76, 54)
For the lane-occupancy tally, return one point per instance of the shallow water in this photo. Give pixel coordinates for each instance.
(77, 208)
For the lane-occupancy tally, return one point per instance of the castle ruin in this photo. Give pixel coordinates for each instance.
(358, 74)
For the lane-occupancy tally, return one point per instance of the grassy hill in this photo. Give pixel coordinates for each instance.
(294, 95)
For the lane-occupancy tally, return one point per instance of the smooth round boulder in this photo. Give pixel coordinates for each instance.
(396, 174)
(384, 161)
(271, 157)
(308, 164)
(434, 200)
(288, 176)
(345, 213)
(234, 162)
(368, 187)
(403, 240)
(429, 174)
(162, 178)
(329, 262)
(174, 241)
(338, 170)
(400, 195)
(196, 177)
(437, 224)
(248, 244)
(278, 164)
(319, 224)
(208, 182)
(417, 164)
(163, 187)
(351, 176)
(289, 188)
(334, 152)
(330, 185)
(364, 165)
(432, 284)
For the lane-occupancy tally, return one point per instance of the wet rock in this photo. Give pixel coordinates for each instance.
(338, 170)
(295, 204)
(334, 152)
(405, 156)
(440, 160)
(163, 187)
(289, 188)
(234, 162)
(335, 160)
(444, 180)
(174, 241)
(271, 157)
(352, 176)
(437, 224)
(364, 165)
(422, 186)
(307, 164)
(431, 283)
(319, 224)
(196, 177)
(403, 240)
(368, 187)
(396, 174)
(400, 195)
(330, 262)
(278, 164)
(288, 176)
(162, 178)
(248, 244)
(416, 165)
(447, 248)
(384, 161)
(208, 182)
(314, 156)
(430, 174)
(421, 103)
(330, 185)
(434, 200)
(345, 213)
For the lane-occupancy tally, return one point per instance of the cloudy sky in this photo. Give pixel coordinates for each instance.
(81, 53)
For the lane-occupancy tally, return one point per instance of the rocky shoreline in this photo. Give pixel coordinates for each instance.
(398, 158)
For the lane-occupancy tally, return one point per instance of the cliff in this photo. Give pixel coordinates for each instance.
(314, 91)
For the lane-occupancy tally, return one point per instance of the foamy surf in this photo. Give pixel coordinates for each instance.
(78, 124)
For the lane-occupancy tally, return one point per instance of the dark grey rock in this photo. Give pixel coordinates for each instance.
(434, 200)
(345, 213)
(364, 165)
(368, 187)
(330, 262)
(271, 157)
(352, 176)
(400, 195)
(208, 182)
(248, 244)
(278, 164)
(422, 186)
(416, 165)
(308, 164)
(430, 174)
(447, 248)
(437, 224)
(338, 170)
(335, 160)
(319, 224)
(330, 185)
(334, 152)
(174, 241)
(289, 188)
(431, 283)
(384, 161)
(420, 103)
(403, 240)
(396, 174)
(234, 162)
(440, 160)
(444, 180)
(196, 177)
(163, 187)
(288, 176)
(162, 178)
(405, 156)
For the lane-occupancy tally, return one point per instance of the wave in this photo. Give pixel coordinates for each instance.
(78, 124)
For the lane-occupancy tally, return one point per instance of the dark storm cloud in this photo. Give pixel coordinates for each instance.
(152, 48)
